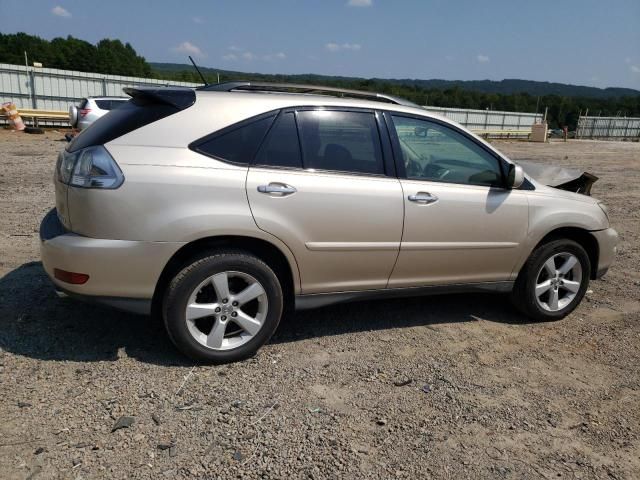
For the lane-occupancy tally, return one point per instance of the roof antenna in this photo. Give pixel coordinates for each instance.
(204, 80)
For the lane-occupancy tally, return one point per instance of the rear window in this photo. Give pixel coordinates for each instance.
(237, 144)
(110, 104)
(130, 116)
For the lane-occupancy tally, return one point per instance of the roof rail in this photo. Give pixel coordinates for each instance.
(304, 89)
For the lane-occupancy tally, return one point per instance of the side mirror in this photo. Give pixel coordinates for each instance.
(515, 177)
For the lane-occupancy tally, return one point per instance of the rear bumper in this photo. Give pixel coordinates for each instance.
(122, 273)
(607, 246)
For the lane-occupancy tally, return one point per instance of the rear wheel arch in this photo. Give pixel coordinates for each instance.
(262, 249)
(579, 235)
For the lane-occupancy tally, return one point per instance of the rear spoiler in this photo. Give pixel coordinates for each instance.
(179, 97)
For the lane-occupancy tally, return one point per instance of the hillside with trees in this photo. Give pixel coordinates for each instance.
(563, 109)
(564, 102)
(107, 56)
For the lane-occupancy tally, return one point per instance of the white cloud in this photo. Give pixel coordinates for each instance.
(198, 20)
(274, 56)
(635, 68)
(238, 53)
(359, 3)
(58, 11)
(336, 47)
(482, 58)
(188, 48)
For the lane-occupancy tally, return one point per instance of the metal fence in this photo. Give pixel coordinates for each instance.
(490, 120)
(608, 127)
(53, 89)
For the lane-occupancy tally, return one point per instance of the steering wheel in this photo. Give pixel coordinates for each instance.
(413, 168)
(445, 172)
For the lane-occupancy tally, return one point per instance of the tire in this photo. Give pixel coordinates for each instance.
(196, 332)
(563, 288)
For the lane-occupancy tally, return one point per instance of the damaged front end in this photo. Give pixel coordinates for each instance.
(570, 179)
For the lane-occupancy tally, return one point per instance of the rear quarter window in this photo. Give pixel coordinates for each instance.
(237, 143)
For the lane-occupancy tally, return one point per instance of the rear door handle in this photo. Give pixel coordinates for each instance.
(277, 189)
(423, 198)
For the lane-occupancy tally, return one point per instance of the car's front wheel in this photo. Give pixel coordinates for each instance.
(553, 281)
(223, 307)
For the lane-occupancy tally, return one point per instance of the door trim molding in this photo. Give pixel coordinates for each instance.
(456, 245)
(351, 246)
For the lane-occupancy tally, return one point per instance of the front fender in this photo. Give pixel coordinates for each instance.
(549, 213)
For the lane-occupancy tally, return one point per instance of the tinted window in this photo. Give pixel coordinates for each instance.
(346, 141)
(239, 144)
(110, 104)
(435, 152)
(104, 104)
(281, 148)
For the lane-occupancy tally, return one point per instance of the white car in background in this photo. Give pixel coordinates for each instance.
(91, 109)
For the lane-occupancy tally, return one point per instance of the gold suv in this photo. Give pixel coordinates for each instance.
(223, 207)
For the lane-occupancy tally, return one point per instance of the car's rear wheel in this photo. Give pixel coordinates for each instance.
(223, 307)
(553, 281)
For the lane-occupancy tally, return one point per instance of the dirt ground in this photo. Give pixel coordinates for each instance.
(438, 387)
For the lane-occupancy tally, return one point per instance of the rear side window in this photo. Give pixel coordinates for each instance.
(342, 141)
(281, 148)
(237, 144)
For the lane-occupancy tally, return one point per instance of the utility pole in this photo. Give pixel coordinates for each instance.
(29, 81)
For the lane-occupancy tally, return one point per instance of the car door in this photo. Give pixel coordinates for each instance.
(319, 184)
(461, 225)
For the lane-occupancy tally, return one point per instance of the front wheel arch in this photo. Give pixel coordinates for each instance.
(525, 295)
(579, 235)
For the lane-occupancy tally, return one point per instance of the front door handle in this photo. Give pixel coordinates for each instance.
(277, 189)
(423, 198)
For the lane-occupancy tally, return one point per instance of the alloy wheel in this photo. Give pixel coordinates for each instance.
(226, 310)
(558, 281)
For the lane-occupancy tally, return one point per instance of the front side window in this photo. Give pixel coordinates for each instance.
(342, 141)
(239, 144)
(431, 151)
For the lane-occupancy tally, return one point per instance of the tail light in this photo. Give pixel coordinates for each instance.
(91, 167)
(84, 111)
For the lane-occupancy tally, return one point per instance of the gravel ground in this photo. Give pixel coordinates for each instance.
(436, 387)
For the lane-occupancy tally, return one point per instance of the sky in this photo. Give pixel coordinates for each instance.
(582, 42)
